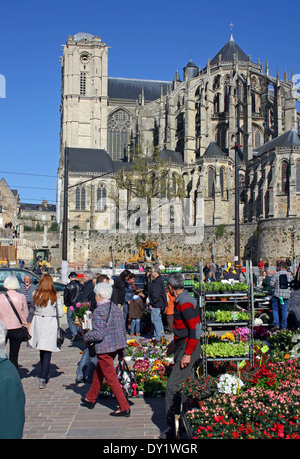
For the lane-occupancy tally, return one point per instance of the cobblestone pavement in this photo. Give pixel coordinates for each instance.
(56, 412)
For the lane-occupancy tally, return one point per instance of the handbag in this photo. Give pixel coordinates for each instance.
(26, 336)
(92, 345)
(61, 334)
(127, 379)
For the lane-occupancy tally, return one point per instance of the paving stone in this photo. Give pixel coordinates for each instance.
(56, 411)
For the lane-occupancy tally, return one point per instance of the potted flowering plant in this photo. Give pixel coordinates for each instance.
(79, 312)
(155, 383)
(229, 384)
(138, 352)
(198, 388)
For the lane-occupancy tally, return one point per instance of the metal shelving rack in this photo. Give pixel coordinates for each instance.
(245, 300)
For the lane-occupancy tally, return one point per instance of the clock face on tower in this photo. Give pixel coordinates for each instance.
(84, 57)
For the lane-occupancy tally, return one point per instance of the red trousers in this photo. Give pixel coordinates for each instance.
(105, 369)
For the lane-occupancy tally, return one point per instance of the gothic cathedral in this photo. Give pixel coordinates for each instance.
(195, 121)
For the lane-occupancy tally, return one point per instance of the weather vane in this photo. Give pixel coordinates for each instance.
(231, 26)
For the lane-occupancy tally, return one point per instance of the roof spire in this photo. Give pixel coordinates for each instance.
(231, 34)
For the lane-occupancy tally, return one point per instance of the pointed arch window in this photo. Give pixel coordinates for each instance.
(226, 94)
(284, 177)
(298, 176)
(216, 103)
(221, 137)
(101, 197)
(256, 138)
(211, 183)
(222, 181)
(118, 134)
(80, 198)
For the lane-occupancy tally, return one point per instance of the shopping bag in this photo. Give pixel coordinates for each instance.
(127, 379)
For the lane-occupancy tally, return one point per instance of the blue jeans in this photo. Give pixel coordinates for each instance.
(45, 358)
(135, 323)
(284, 312)
(86, 365)
(157, 323)
(125, 312)
(73, 328)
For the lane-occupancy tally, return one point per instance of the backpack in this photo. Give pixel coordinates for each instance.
(283, 282)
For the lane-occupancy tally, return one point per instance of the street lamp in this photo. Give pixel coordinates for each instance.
(237, 264)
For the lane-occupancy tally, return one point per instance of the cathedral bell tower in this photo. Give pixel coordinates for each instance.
(84, 93)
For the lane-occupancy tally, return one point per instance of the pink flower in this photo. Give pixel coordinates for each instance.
(71, 308)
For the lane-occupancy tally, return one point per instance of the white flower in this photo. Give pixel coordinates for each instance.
(229, 384)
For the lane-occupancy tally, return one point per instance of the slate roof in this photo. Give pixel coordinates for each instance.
(288, 139)
(125, 88)
(213, 150)
(38, 207)
(228, 51)
(99, 161)
(89, 160)
(173, 156)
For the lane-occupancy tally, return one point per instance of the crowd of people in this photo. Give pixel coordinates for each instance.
(118, 308)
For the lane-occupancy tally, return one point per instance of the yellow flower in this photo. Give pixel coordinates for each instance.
(228, 335)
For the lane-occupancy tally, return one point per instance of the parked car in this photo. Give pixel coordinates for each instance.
(20, 274)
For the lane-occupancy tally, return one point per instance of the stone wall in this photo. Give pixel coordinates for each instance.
(267, 239)
(278, 238)
(218, 244)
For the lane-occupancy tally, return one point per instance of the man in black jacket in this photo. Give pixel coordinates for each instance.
(71, 293)
(119, 285)
(158, 302)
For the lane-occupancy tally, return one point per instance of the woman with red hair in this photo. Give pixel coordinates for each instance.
(47, 304)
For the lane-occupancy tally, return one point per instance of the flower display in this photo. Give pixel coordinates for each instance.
(229, 384)
(243, 333)
(141, 365)
(151, 379)
(263, 402)
(228, 337)
(262, 409)
(199, 388)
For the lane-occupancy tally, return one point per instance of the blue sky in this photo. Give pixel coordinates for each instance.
(149, 40)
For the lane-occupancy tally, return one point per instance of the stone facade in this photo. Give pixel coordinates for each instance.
(195, 123)
(9, 205)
